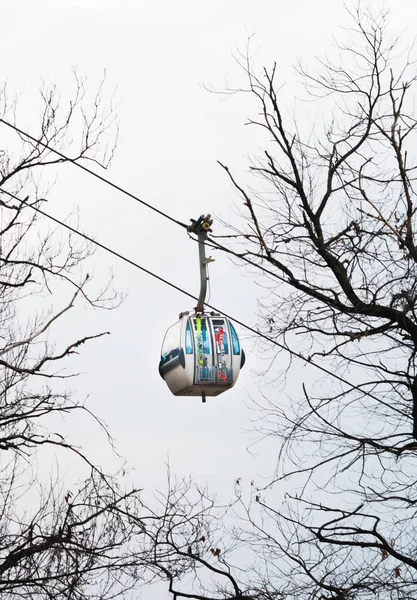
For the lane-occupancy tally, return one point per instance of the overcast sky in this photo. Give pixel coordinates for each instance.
(161, 54)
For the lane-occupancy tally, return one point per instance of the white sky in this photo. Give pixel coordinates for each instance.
(159, 53)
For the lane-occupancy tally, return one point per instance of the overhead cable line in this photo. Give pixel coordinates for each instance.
(179, 289)
(87, 170)
(216, 245)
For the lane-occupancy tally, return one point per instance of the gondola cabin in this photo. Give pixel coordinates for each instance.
(201, 355)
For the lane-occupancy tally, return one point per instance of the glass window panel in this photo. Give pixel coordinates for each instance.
(188, 339)
(172, 339)
(235, 340)
(202, 342)
(220, 336)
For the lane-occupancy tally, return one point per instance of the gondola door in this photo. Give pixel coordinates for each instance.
(204, 372)
(222, 355)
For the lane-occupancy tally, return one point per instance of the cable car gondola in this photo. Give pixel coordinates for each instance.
(201, 353)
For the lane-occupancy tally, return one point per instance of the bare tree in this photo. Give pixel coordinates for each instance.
(55, 542)
(331, 230)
